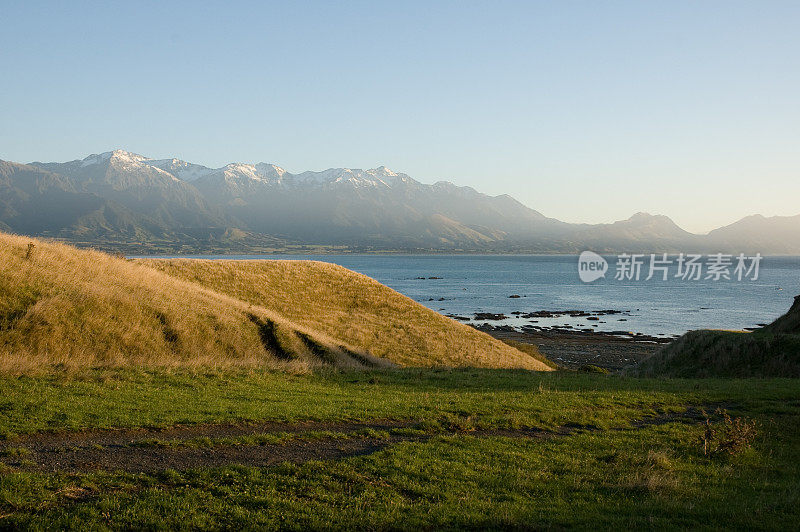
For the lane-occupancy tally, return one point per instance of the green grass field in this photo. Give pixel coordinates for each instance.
(458, 449)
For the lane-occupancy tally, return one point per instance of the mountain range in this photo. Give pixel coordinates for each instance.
(127, 202)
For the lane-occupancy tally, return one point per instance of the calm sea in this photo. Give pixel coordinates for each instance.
(468, 284)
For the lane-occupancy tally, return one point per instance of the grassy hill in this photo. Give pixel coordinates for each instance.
(69, 308)
(789, 323)
(772, 351)
(350, 306)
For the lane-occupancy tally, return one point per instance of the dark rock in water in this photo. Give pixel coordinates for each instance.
(489, 316)
(457, 317)
(571, 313)
(622, 319)
(514, 296)
(540, 314)
(593, 318)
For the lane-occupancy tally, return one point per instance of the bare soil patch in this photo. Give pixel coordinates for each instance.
(132, 450)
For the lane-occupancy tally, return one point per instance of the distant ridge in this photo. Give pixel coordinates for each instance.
(126, 201)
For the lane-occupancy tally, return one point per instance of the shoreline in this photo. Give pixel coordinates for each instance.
(572, 348)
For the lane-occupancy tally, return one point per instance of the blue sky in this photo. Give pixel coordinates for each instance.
(586, 111)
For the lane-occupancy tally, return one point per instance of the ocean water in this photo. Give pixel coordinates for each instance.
(469, 284)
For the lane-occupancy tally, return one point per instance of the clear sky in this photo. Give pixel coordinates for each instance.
(585, 111)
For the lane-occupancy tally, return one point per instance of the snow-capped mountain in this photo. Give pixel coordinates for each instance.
(261, 172)
(180, 169)
(140, 184)
(238, 176)
(119, 196)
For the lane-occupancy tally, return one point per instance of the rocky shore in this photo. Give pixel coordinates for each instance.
(572, 346)
(574, 349)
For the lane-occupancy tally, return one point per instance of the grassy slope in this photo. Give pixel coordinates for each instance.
(789, 323)
(78, 308)
(73, 308)
(726, 354)
(618, 474)
(772, 351)
(353, 307)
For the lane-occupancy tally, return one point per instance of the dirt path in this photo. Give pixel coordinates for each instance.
(200, 446)
(152, 459)
(119, 437)
(213, 445)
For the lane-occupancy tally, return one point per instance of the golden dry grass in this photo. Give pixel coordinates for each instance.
(74, 308)
(69, 308)
(356, 308)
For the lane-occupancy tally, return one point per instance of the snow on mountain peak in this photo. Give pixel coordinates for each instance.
(385, 171)
(96, 158)
(355, 177)
(256, 172)
(268, 169)
(127, 154)
(117, 155)
(264, 173)
(182, 170)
